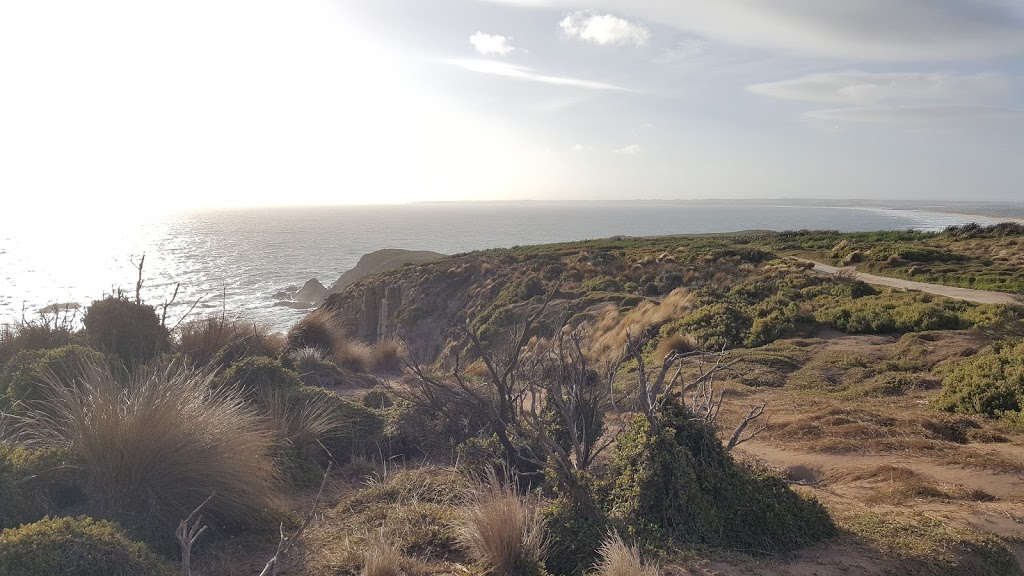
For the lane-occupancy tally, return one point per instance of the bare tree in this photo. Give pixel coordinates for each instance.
(695, 371)
(497, 397)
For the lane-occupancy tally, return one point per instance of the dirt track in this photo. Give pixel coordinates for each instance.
(978, 296)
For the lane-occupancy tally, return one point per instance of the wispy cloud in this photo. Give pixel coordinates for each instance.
(506, 70)
(864, 88)
(491, 44)
(682, 52)
(628, 150)
(885, 30)
(889, 97)
(604, 29)
(929, 114)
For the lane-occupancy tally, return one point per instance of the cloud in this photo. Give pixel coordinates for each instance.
(496, 68)
(604, 29)
(579, 148)
(866, 88)
(682, 52)
(893, 97)
(488, 44)
(628, 150)
(883, 30)
(928, 114)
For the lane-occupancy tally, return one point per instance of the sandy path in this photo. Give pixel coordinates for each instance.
(978, 296)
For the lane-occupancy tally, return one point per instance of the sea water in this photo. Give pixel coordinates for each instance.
(236, 260)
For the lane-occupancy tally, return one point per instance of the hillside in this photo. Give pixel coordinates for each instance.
(714, 400)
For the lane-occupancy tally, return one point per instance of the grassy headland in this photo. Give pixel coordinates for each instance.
(590, 406)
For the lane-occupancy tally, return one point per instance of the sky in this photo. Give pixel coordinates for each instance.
(120, 105)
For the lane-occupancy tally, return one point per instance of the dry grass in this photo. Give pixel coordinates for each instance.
(382, 560)
(678, 342)
(388, 356)
(353, 355)
(500, 530)
(610, 330)
(215, 340)
(150, 450)
(299, 425)
(319, 329)
(897, 484)
(620, 559)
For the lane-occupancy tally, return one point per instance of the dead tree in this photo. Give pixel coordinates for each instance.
(694, 371)
(497, 397)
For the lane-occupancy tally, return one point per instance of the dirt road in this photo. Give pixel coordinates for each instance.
(977, 296)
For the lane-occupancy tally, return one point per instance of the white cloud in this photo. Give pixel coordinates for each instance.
(523, 73)
(488, 44)
(629, 150)
(884, 30)
(865, 88)
(604, 29)
(579, 148)
(927, 114)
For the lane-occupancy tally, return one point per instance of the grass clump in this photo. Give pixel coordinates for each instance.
(319, 329)
(502, 532)
(382, 560)
(620, 559)
(218, 342)
(76, 547)
(150, 450)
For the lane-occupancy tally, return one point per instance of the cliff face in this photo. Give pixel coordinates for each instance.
(493, 290)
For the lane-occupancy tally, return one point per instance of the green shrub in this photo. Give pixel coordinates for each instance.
(75, 547)
(22, 380)
(990, 382)
(35, 336)
(715, 326)
(681, 485)
(574, 531)
(34, 484)
(130, 331)
(262, 377)
(360, 430)
(603, 284)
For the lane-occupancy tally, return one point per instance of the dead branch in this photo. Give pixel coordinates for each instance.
(286, 542)
(167, 304)
(188, 533)
(737, 436)
(138, 283)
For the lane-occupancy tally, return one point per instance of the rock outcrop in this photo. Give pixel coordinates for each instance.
(380, 261)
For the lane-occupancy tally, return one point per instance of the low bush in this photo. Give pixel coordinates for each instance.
(989, 383)
(29, 335)
(23, 379)
(130, 331)
(34, 484)
(359, 431)
(574, 531)
(76, 547)
(262, 378)
(680, 485)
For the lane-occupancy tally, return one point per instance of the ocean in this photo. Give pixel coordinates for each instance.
(236, 260)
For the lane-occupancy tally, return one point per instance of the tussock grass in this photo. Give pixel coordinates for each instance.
(382, 560)
(609, 332)
(299, 425)
(353, 355)
(388, 356)
(153, 448)
(620, 559)
(679, 342)
(219, 341)
(897, 484)
(319, 329)
(501, 530)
